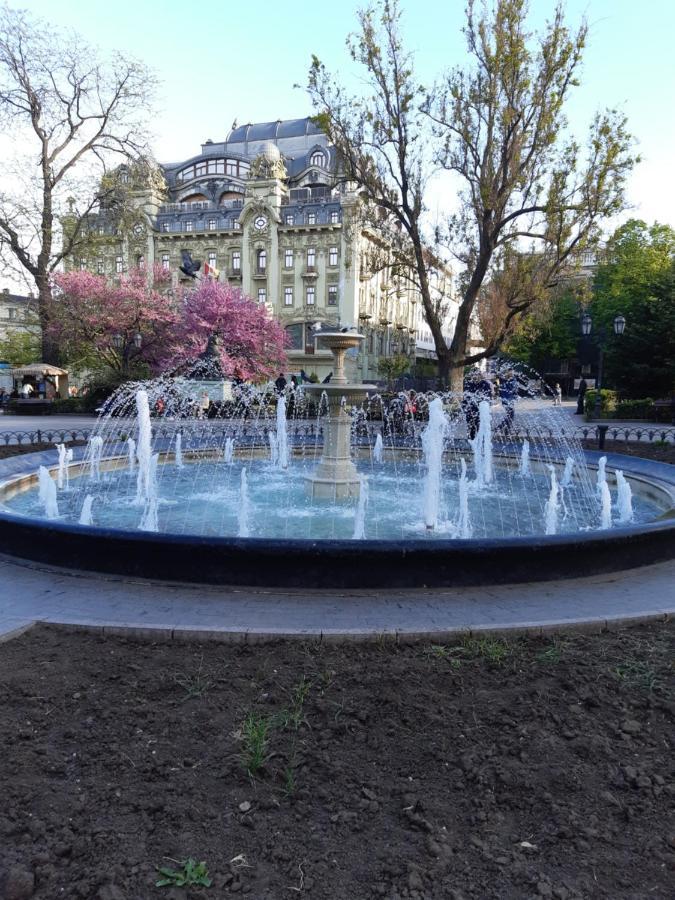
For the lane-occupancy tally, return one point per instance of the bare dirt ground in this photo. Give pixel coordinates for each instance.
(661, 451)
(533, 768)
(7, 450)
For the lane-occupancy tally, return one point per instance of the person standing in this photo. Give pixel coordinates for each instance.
(280, 383)
(476, 389)
(557, 395)
(583, 387)
(508, 394)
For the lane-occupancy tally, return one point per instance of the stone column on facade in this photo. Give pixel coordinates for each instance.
(246, 271)
(348, 290)
(273, 279)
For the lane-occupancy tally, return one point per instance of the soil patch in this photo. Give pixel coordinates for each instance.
(534, 768)
(7, 450)
(661, 451)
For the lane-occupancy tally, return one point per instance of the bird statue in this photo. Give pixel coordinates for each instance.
(190, 266)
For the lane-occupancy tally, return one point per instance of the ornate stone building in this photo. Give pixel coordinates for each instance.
(267, 210)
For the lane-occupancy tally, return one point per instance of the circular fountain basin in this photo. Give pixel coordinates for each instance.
(300, 543)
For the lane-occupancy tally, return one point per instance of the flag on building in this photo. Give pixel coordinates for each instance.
(211, 270)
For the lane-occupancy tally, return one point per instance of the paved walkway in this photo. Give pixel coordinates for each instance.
(30, 593)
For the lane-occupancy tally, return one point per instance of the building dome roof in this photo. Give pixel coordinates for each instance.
(270, 151)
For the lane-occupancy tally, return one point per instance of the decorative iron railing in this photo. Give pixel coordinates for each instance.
(302, 431)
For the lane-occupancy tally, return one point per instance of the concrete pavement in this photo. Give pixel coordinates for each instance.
(30, 593)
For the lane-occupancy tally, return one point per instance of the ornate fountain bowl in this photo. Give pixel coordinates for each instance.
(338, 342)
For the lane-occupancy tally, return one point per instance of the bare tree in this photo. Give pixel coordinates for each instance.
(382, 141)
(531, 198)
(71, 116)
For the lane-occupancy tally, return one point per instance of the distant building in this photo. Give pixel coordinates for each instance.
(266, 210)
(17, 314)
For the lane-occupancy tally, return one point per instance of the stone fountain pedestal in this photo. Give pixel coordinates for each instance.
(336, 477)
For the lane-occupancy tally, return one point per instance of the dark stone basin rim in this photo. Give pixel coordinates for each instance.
(334, 564)
(285, 563)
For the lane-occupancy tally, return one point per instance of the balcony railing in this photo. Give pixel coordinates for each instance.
(199, 206)
(313, 195)
(198, 226)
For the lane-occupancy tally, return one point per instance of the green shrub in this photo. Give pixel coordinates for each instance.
(635, 409)
(70, 405)
(608, 401)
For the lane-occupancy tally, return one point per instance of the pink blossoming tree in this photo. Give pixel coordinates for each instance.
(251, 343)
(125, 327)
(140, 324)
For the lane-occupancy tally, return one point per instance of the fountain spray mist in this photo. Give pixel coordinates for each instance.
(282, 434)
(144, 450)
(360, 516)
(433, 437)
(47, 494)
(552, 505)
(85, 515)
(624, 498)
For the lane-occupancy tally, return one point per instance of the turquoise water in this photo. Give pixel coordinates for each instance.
(203, 498)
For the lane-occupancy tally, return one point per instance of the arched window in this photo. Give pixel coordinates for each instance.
(195, 198)
(317, 159)
(261, 260)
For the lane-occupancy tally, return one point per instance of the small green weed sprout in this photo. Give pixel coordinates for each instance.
(550, 655)
(449, 654)
(293, 715)
(191, 874)
(289, 781)
(494, 651)
(636, 673)
(195, 684)
(255, 740)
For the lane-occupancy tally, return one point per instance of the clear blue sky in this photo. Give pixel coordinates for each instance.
(220, 60)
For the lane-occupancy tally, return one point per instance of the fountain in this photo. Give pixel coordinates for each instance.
(336, 476)
(372, 491)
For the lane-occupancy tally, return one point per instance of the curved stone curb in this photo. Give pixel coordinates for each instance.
(447, 636)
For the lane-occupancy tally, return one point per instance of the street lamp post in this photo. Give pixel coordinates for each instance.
(601, 333)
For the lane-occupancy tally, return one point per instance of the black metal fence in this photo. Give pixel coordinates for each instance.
(305, 432)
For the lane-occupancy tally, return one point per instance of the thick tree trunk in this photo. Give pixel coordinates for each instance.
(443, 370)
(457, 379)
(50, 353)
